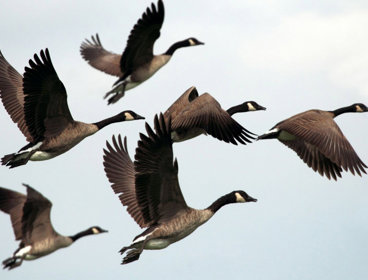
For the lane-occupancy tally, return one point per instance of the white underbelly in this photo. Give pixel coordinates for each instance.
(30, 257)
(131, 85)
(40, 155)
(156, 244)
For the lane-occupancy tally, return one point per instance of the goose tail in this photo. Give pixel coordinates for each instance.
(15, 160)
(12, 262)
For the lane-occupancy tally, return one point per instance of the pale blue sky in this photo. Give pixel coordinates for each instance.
(289, 56)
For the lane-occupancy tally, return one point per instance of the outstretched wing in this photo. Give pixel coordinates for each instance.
(12, 203)
(206, 113)
(157, 187)
(119, 169)
(11, 93)
(314, 158)
(184, 100)
(36, 223)
(46, 108)
(139, 48)
(95, 54)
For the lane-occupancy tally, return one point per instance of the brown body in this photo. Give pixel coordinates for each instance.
(72, 135)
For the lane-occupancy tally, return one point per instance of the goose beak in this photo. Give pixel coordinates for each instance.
(251, 199)
(104, 230)
(262, 108)
(200, 43)
(138, 117)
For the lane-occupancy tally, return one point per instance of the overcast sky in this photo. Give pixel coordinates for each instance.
(289, 56)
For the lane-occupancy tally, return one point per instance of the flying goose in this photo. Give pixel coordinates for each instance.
(319, 142)
(150, 189)
(30, 217)
(192, 114)
(137, 63)
(38, 104)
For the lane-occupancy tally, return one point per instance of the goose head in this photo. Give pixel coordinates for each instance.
(253, 106)
(129, 115)
(97, 230)
(193, 42)
(242, 196)
(247, 106)
(360, 107)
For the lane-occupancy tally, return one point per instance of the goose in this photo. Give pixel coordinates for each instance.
(193, 114)
(150, 189)
(37, 103)
(137, 63)
(319, 142)
(30, 217)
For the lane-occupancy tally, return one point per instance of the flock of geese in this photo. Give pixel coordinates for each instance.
(149, 186)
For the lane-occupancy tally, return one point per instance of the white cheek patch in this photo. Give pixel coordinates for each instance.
(251, 107)
(128, 117)
(191, 42)
(358, 109)
(95, 230)
(239, 198)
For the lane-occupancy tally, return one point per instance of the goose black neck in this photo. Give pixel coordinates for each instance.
(237, 109)
(176, 46)
(81, 234)
(348, 109)
(105, 122)
(223, 200)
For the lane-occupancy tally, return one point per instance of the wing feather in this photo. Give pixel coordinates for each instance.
(12, 203)
(98, 57)
(46, 108)
(157, 186)
(139, 47)
(205, 112)
(11, 93)
(119, 170)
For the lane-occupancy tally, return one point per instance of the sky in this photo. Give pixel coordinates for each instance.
(289, 56)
